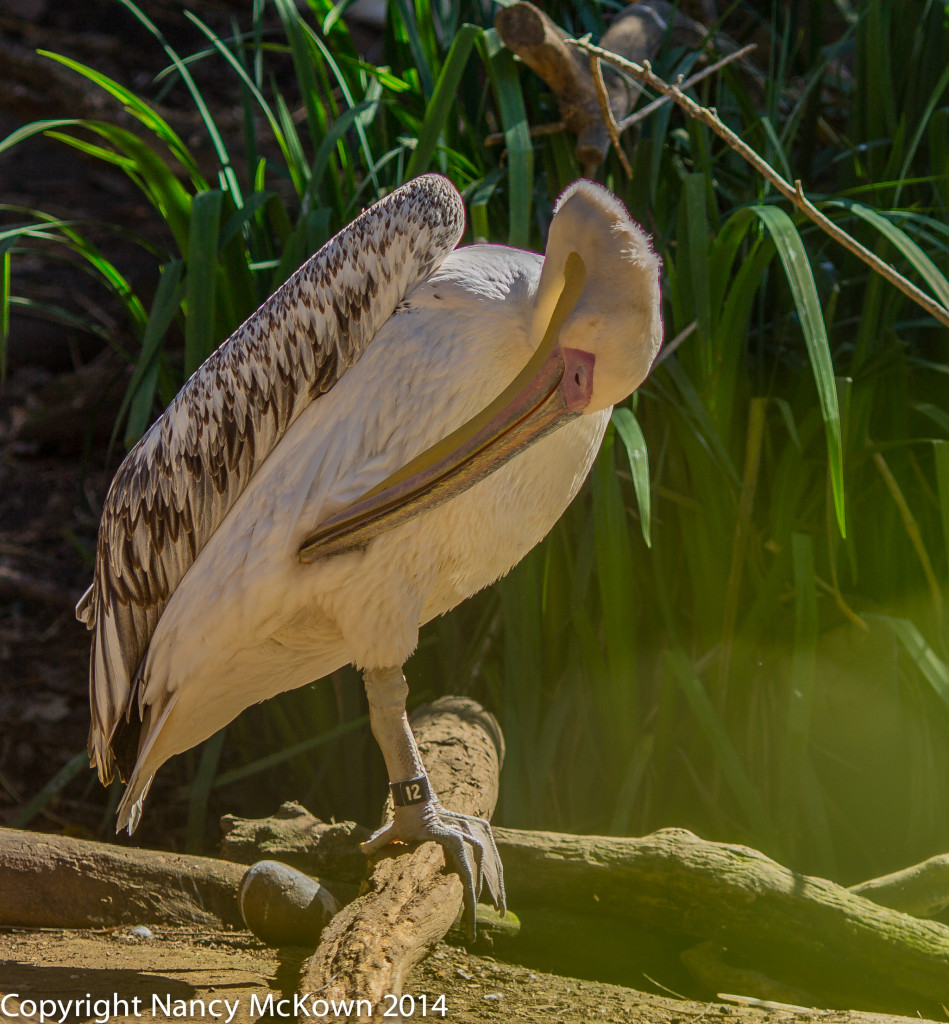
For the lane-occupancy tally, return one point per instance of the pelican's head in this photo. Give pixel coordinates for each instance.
(598, 298)
(595, 329)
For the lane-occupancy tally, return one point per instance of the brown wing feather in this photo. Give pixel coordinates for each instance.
(179, 482)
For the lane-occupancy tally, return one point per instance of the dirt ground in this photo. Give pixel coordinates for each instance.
(180, 975)
(186, 967)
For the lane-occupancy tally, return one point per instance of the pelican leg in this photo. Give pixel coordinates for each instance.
(418, 814)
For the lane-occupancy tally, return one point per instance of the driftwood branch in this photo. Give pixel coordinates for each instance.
(921, 890)
(795, 193)
(637, 34)
(369, 948)
(800, 934)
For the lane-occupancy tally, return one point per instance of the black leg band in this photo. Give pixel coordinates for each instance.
(411, 791)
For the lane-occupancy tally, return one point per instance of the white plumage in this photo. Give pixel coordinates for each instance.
(376, 350)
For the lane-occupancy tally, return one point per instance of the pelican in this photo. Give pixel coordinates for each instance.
(392, 431)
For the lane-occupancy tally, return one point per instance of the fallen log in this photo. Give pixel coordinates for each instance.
(803, 933)
(369, 948)
(50, 881)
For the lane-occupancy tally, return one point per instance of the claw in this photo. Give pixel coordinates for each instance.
(455, 833)
(379, 839)
(489, 860)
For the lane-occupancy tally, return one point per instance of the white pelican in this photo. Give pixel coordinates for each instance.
(393, 430)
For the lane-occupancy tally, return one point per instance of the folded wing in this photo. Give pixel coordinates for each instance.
(179, 482)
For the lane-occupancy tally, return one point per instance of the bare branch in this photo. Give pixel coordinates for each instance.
(708, 116)
(643, 113)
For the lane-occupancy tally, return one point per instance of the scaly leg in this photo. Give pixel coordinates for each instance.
(418, 814)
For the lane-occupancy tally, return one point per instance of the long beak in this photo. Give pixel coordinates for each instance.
(542, 396)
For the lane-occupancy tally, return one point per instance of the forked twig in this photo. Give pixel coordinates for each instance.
(615, 129)
(708, 116)
(639, 115)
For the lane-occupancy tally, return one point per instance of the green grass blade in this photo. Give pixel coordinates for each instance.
(416, 47)
(297, 164)
(743, 531)
(801, 279)
(51, 790)
(621, 821)
(478, 202)
(724, 252)
(631, 434)
(936, 413)
(695, 413)
(520, 150)
(292, 22)
(924, 119)
(138, 108)
(927, 269)
(36, 128)
(386, 78)
(697, 226)
(153, 176)
(249, 83)
(775, 153)
(615, 570)
(263, 764)
(226, 171)
(801, 692)
(246, 216)
(60, 315)
(913, 531)
(934, 670)
(200, 284)
(140, 392)
(200, 790)
(107, 156)
(738, 780)
(321, 48)
(443, 100)
(334, 15)
(104, 269)
(321, 162)
(939, 152)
